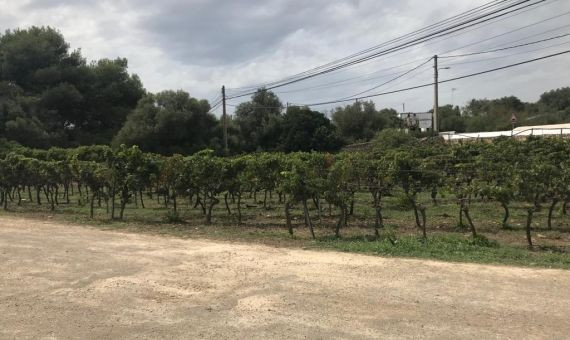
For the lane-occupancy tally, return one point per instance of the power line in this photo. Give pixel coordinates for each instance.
(451, 19)
(464, 15)
(356, 79)
(447, 33)
(299, 105)
(414, 76)
(442, 81)
(510, 32)
(349, 80)
(329, 85)
(537, 34)
(215, 106)
(505, 48)
(218, 102)
(259, 107)
(216, 99)
(391, 80)
(482, 52)
(476, 28)
(432, 35)
(505, 56)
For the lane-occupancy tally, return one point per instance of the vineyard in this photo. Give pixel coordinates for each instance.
(319, 194)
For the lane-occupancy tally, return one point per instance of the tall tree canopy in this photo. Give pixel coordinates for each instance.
(450, 119)
(113, 93)
(558, 99)
(360, 122)
(259, 121)
(50, 95)
(495, 114)
(170, 122)
(306, 130)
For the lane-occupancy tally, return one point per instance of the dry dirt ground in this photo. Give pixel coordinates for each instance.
(65, 281)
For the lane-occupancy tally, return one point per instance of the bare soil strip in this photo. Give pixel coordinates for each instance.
(65, 281)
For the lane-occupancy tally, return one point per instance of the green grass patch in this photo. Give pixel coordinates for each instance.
(450, 247)
(446, 240)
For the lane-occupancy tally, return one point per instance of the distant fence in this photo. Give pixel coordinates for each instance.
(519, 134)
(478, 136)
(358, 147)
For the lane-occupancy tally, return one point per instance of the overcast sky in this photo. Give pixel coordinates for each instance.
(199, 45)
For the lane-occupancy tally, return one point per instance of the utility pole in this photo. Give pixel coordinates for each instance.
(435, 126)
(225, 121)
(403, 107)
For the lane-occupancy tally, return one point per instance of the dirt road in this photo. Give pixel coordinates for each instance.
(62, 281)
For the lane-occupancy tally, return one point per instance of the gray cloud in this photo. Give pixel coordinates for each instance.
(48, 4)
(198, 45)
(222, 32)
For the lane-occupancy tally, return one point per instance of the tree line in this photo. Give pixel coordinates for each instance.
(52, 96)
(534, 173)
(553, 107)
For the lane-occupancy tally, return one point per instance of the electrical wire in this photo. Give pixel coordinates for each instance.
(535, 35)
(442, 81)
(509, 32)
(353, 80)
(515, 30)
(215, 106)
(326, 85)
(505, 48)
(401, 81)
(432, 35)
(464, 32)
(505, 56)
(391, 80)
(463, 15)
(455, 49)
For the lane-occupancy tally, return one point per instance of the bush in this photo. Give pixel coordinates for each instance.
(172, 217)
(392, 138)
